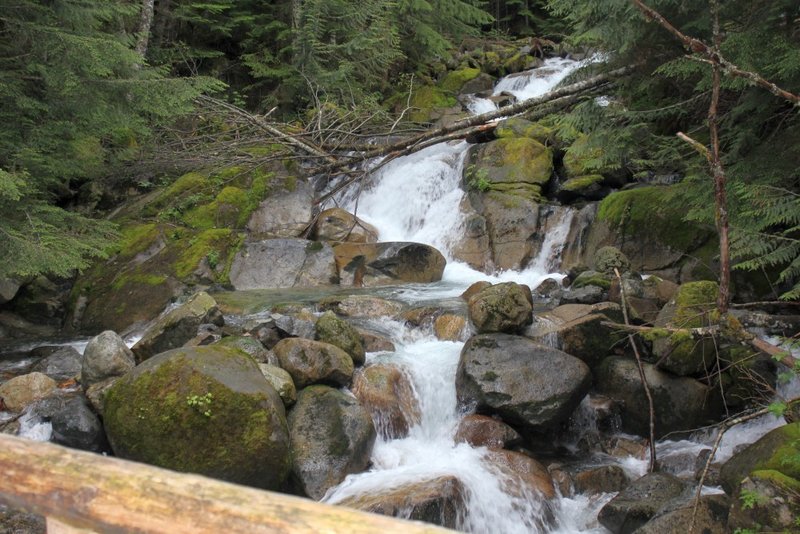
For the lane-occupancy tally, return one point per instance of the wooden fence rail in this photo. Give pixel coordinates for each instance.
(79, 490)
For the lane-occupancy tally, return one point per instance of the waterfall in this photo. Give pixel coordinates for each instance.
(418, 198)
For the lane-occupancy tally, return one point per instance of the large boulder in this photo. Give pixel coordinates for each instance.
(205, 410)
(286, 213)
(640, 501)
(440, 500)
(339, 333)
(361, 306)
(767, 500)
(23, 390)
(105, 356)
(691, 307)
(680, 403)
(374, 264)
(387, 393)
(777, 450)
(526, 383)
(711, 517)
(518, 166)
(511, 224)
(578, 330)
(314, 362)
(332, 436)
(336, 224)
(506, 307)
(276, 263)
(177, 326)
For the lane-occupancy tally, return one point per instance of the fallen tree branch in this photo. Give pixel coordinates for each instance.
(516, 109)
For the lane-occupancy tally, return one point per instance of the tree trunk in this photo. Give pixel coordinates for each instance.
(143, 31)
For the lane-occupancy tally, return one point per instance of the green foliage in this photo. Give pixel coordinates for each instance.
(74, 99)
(750, 498)
(200, 403)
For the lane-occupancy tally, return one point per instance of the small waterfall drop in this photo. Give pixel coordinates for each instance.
(418, 198)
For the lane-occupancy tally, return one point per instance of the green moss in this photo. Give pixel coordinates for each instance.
(428, 98)
(692, 301)
(314, 246)
(652, 212)
(222, 240)
(779, 479)
(138, 278)
(592, 278)
(192, 181)
(581, 182)
(456, 79)
(136, 238)
(518, 127)
(150, 420)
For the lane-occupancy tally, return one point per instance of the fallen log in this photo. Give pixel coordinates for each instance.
(84, 492)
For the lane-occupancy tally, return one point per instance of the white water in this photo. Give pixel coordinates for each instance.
(417, 198)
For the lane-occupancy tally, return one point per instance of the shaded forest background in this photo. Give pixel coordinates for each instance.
(90, 91)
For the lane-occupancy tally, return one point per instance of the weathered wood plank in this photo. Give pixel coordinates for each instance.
(109, 495)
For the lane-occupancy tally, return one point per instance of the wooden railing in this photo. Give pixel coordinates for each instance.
(83, 492)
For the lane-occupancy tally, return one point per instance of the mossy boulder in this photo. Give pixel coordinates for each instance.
(519, 127)
(591, 278)
(250, 346)
(455, 79)
(339, 333)
(778, 450)
(205, 410)
(331, 435)
(767, 501)
(506, 307)
(587, 186)
(314, 362)
(514, 165)
(428, 101)
(177, 326)
(607, 259)
(692, 306)
(647, 225)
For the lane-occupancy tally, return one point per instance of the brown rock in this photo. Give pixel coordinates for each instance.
(485, 431)
(336, 224)
(314, 362)
(449, 327)
(474, 289)
(523, 473)
(375, 343)
(388, 395)
(361, 306)
(603, 479)
(506, 307)
(440, 501)
(22, 390)
(375, 264)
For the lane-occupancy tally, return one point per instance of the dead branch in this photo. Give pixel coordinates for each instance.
(653, 462)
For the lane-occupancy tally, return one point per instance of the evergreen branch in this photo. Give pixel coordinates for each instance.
(713, 55)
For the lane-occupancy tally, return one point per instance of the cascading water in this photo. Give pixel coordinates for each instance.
(418, 198)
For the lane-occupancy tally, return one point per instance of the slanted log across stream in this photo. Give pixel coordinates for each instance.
(80, 490)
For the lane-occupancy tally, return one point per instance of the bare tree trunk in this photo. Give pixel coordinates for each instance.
(143, 31)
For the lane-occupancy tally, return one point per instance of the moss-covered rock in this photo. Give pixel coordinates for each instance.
(455, 79)
(778, 450)
(766, 501)
(691, 307)
(607, 259)
(339, 333)
(426, 100)
(250, 346)
(512, 165)
(332, 436)
(519, 127)
(204, 410)
(506, 307)
(591, 278)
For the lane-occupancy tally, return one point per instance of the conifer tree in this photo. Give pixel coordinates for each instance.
(75, 97)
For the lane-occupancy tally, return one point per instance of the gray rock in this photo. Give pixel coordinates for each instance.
(8, 289)
(711, 518)
(314, 362)
(283, 214)
(174, 328)
(276, 263)
(74, 423)
(106, 356)
(681, 403)
(524, 382)
(332, 436)
(63, 364)
(281, 381)
(640, 501)
(336, 224)
(249, 345)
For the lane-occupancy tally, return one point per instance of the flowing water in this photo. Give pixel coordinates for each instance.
(417, 198)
